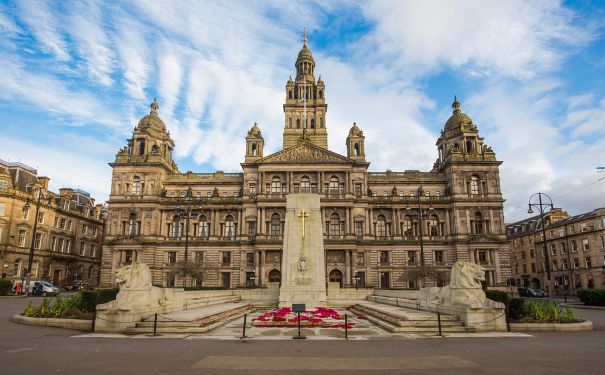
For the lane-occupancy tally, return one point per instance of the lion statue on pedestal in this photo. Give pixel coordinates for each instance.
(465, 288)
(136, 291)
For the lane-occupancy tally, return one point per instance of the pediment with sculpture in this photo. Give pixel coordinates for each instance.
(305, 153)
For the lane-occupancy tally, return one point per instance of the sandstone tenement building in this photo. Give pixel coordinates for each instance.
(68, 237)
(374, 223)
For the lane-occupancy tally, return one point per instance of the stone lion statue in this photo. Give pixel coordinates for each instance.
(136, 291)
(465, 288)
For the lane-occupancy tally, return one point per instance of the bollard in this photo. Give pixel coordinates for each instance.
(155, 324)
(94, 320)
(244, 328)
(346, 327)
(439, 322)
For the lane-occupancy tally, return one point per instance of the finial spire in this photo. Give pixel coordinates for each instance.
(456, 104)
(154, 105)
(305, 37)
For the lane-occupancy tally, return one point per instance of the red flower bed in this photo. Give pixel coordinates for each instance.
(320, 317)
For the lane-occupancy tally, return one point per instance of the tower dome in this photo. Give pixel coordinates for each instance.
(152, 120)
(458, 118)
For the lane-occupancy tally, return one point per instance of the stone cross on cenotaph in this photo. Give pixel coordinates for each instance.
(303, 269)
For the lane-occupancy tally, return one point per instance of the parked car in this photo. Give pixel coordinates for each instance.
(40, 288)
(532, 293)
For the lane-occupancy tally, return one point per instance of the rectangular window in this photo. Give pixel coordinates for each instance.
(69, 223)
(38, 241)
(587, 262)
(574, 246)
(56, 225)
(199, 257)
(555, 266)
(576, 263)
(360, 258)
(252, 189)
(358, 190)
(250, 259)
(533, 267)
(359, 229)
(226, 258)
(585, 244)
(171, 257)
(53, 244)
(82, 248)
(84, 228)
(561, 232)
(439, 257)
(562, 248)
(565, 264)
(251, 229)
(524, 268)
(602, 239)
(40, 217)
(68, 246)
(482, 256)
(21, 238)
(553, 251)
(25, 213)
(2, 209)
(3, 185)
(93, 250)
(384, 258)
(411, 258)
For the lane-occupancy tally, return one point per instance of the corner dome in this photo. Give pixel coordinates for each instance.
(355, 130)
(255, 130)
(152, 120)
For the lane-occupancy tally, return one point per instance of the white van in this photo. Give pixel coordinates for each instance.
(48, 289)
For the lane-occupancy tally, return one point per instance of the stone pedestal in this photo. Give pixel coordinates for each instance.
(303, 268)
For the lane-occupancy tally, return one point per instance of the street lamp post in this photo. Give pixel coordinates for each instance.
(541, 206)
(30, 261)
(188, 208)
(420, 225)
(356, 278)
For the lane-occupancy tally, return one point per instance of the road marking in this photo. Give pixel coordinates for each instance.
(323, 363)
(19, 350)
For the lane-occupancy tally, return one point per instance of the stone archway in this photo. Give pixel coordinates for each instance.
(274, 276)
(335, 276)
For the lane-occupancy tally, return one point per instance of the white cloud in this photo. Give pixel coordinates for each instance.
(45, 28)
(585, 116)
(134, 55)
(513, 38)
(91, 41)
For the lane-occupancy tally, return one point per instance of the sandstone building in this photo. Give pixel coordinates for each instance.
(68, 236)
(377, 226)
(575, 245)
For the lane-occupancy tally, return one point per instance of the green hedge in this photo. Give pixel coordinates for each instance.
(498, 296)
(516, 309)
(5, 287)
(594, 297)
(91, 298)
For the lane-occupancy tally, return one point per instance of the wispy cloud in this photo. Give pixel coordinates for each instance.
(44, 26)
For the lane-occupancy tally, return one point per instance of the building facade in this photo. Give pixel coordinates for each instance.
(68, 233)
(575, 246)
(377, 226)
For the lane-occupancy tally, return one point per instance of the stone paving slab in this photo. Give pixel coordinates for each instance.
(200, 312)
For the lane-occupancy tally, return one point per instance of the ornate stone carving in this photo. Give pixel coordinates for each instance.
(465, 288)
(136, 290)
(305, 153)
(335, 257)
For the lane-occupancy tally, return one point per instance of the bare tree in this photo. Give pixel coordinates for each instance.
(188, 268)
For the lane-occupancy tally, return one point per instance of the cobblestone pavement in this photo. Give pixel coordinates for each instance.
(41, 350)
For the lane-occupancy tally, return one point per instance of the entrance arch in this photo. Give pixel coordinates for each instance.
(274, 276)
(335, 276)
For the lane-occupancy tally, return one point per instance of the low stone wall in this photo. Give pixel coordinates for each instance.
(397, 293)
(338, 297)
(77, 324)
(552, 327)
(260, 296)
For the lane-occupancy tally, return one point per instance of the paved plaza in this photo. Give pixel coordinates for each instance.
(37, 350)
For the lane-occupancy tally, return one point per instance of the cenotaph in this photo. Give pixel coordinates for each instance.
(303, 268)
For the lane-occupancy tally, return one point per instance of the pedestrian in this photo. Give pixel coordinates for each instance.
(18, 288)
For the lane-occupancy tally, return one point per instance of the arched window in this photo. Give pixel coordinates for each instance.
(254, 149)
(321, 94)
(407, 226)
(17, 268)
(469, 145)
(305, 185)
(381, 226)
(334, 225)
(276, 185)
(356, 149)
(275, 225)
(334, 185)
(297, 123)
(433, 224)
(312, 123)
(177, 227)
(136, 186)
(290, 94)
(474, 185)
(274, 276)
(132, 224)
(477, 223)
(203, 227)
(229, 231)
(142, 147)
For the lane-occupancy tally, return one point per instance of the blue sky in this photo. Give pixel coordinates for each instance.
(75, 78)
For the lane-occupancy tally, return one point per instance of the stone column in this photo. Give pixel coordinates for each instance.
(347, 268)
(497, 263)
(347, 221)
(257, 267)
(262, 268)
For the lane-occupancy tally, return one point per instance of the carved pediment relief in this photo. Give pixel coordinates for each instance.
(483, 238)
(305, 153)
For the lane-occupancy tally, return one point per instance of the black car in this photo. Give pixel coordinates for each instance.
(532, 293)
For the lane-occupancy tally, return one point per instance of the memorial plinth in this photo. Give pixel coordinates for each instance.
(303, 269)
